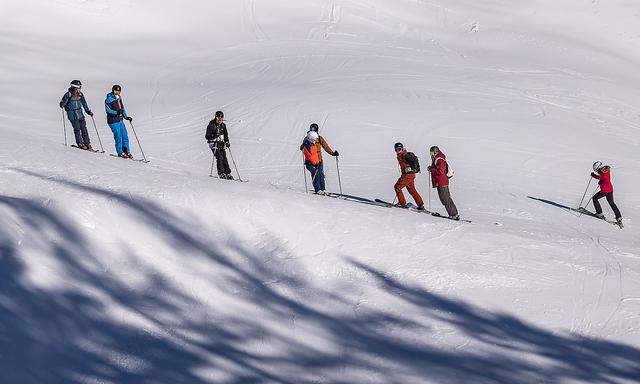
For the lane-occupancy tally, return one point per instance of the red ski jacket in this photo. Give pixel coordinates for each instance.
(404, 166)
(438, 171)
(604, 179)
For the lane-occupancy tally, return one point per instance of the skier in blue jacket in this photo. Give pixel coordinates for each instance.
(115, 114)
(73, 102)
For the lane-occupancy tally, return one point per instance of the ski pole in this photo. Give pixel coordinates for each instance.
(338, 167)
(304, 172)
(585, 193)
(138, 140)
(586, 205)
(234, 164)
(429, 192)
(64, 127)
(97, 133)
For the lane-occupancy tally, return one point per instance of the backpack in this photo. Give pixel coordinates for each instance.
(449, 170)
(413, 161)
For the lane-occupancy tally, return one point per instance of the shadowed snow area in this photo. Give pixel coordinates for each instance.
(115, 271)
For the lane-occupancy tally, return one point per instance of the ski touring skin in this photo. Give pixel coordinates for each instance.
(412, 208)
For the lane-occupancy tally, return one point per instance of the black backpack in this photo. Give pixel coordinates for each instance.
(413, 161)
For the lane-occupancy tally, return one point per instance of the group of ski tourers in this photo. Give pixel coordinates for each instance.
(73, 102)
(440, 175)
(312, 147)
(217, 136)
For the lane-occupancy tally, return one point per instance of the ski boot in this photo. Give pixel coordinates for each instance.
(322, 193)
(455, 217)
(229, 176)
(88, 147)
(619, 222)
(420, 207)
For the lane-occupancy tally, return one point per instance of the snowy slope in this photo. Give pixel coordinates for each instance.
(122, 272)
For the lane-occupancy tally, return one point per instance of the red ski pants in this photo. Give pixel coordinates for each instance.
(407, 181)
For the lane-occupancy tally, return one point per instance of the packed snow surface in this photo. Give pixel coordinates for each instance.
(116, 271)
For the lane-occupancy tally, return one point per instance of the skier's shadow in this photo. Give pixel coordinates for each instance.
(555, 204)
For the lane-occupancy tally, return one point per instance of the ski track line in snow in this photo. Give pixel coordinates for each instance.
(250, 14)
(610, 265)
(618, 269)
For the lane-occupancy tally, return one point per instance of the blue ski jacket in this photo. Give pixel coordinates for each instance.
(73, 101)
(115, 108)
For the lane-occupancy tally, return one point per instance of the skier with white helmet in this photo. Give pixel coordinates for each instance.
(311, 147)
(603, 174)
(73, 102)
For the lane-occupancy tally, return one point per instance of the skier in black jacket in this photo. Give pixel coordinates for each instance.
(218, 140)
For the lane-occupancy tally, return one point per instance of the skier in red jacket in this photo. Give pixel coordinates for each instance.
(440, 180)
(408, 177)
(603, 175)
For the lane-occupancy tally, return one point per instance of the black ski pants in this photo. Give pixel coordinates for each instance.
(80, 131)
(609, 197)
(220, 154)
(447, 201)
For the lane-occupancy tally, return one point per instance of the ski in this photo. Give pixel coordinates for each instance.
(585, 211)
(138, 160)
(88, 150)
(220, 178)
(413, 208)
(436, 214)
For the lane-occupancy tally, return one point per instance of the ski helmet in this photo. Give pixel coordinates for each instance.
(597, 165)
(116, 88)
(76, 84)
(313, 136)
(398, 146)
(219, 114)
(313, 127)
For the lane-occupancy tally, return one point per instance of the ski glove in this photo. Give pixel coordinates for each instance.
(227, 144)
(335, 153)
(129, 118)
(89, 113)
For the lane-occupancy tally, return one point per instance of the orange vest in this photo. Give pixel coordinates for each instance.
(313, 155)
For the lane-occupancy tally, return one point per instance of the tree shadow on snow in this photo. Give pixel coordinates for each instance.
(293, 330)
